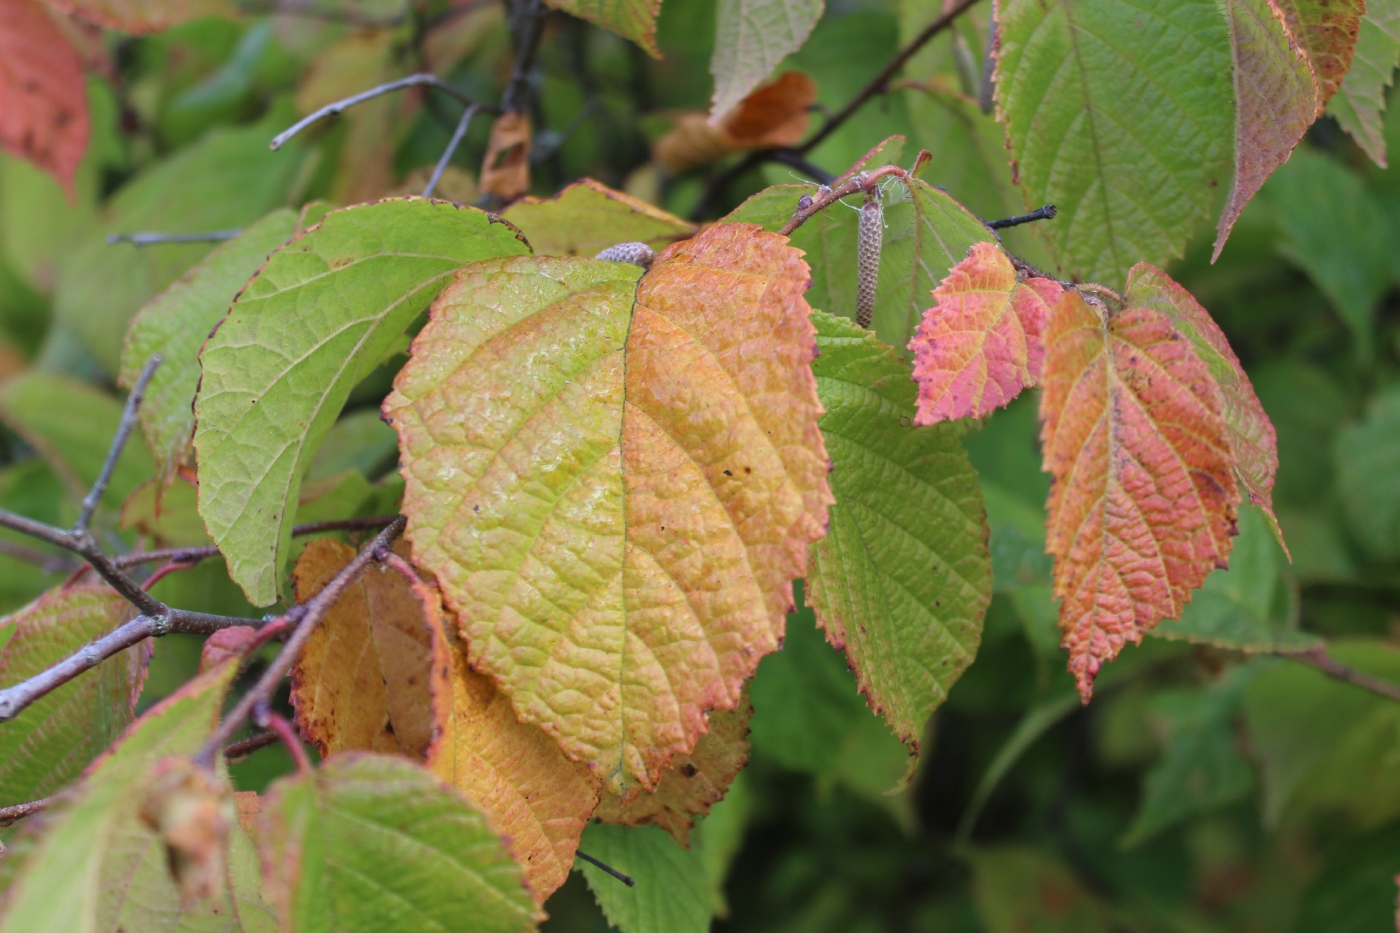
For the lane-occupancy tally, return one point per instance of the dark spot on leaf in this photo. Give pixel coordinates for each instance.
(689, 770)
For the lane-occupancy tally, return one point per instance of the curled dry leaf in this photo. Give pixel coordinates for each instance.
(775, 114)
(694, 782)
(983, 339)
(1143, 501)
(364, 682)
(191, 810)
(615, 482)
(505, 172)
(43, 100)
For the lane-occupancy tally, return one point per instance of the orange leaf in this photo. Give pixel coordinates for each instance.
(364, 680)
(1143, 502)
(1253, 443)
(532, 795)
(775, 114)
(693, 784)
(43, 100)
(615, 483)
(1328, 30)
(983, 340)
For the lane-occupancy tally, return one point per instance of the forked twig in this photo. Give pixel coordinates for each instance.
(340, 106)
(114, 452)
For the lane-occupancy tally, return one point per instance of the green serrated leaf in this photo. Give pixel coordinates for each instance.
(1367, 460)
(308, 327)
(1360, 102)
(1121, 115)
(49, 744)
(903, 576)
(91, 865)
(631, 19)
(226, 180)
(587, 217)
(670, 894)
(76, 444)
(751, 38)
(176, 323)
(374, 843)
(1202, 767)
(926, 234)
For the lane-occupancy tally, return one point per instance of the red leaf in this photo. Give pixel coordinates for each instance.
(43, 101)
(1144, 499)
(982, 341)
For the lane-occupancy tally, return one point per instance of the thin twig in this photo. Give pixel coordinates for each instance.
(265, 718)
(451, 149)
(49, 563)
(156, 239)
(235, 751)
(340, 106)
(809, 206)
(305, 617)
(19, 811)
(796, 160)
(532, 15)
(114, 453)
(625, 879)
(1320, 659)
(86, 547)
(15, 699)
(193, 555)
(1043, 213)
(394, 561)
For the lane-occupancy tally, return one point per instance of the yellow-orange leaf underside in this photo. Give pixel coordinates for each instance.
(982, 341)
(363, 681)
(615, 482)
(43, 100)
(537, 799)
(1143, 501)
(693, 784)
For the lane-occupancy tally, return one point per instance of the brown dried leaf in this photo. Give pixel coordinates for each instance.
(775, 114)
(505, 172)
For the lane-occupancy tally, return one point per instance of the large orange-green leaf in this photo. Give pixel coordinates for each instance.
(51, 742)
(693, 784)
(1276, 98)
(903, 577)
(90, 863)
(587, 217)
(926, 233)
(1253, 443)
(364, 680)
(615, 483)
(631, 19)
(43, 100)
(1143, 501)
(533, 795)
(1327, 30)
(982, 342)
(142, 15)
(752, 37)
(369, 843)
(176, 323)
(319, 317)
(1360, 103)
(1131, 117)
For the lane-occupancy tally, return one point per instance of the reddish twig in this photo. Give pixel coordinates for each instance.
(305, 617)
(19, 811)
(405, 569)
(265, 718)
(1320, 659)
(810, 206)
(236, 751)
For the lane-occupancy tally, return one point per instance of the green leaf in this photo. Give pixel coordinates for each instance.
(1326, 747)
(32, 489)
(176, 323)
(1334, 231)
(926, 234)
(1248, 607)
(631, 19)
(1120, 115)
(226, 180)
(719, 836)
(1367, 459)
(1360, 102)
(49, 744)
(91, 865)
(317, 318)
(76, 444)
(373, 843)
(903, 577)
(361, 441)
(1355, 890)
(1017, 888)
(809, 716)
(587, 217)
(1202, 768)
(670, 895)
(752, 37)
